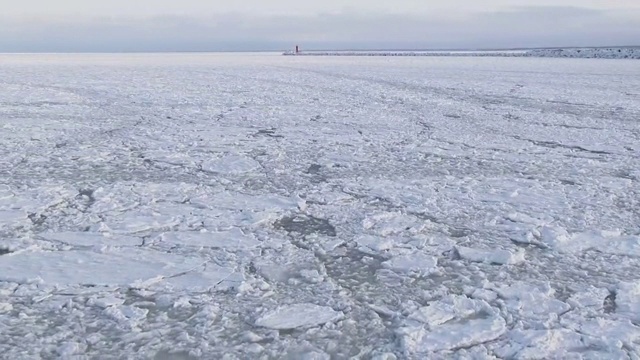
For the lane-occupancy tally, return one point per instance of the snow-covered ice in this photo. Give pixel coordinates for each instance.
(259, 206)
(452, 323)
(298, 316)
(130, 267)
(499, 257)
(628, 300)
(413, 263)
(612, 242)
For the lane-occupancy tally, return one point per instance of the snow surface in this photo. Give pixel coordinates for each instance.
(258, 206)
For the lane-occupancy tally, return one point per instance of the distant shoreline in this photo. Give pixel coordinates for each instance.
(578, 52)
(398, 50)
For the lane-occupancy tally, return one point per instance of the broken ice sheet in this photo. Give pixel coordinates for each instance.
(450, 307)
(416, 262)
(8, 217)
(375, 244)
(133, 222)
(126, 315)
(231, 165)
(589, 298)
(541, 344)
(628, 300)
(298, 316)
(105, 302)
(91, 239)
(512, 159)
(234, 239)
(531, 301)
(394, 223)
(498, 256)
(608, 242)
(237, 201)
(451, 323)
(117, 267)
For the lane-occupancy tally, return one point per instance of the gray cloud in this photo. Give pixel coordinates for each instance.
(516, 27)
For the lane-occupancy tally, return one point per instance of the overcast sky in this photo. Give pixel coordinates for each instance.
(201, 25)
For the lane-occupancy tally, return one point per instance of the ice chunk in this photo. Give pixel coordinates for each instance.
(375, 243)
(454, 335)
(213, 276)
(590, 297)
(385, 356)
(169, 157)
(236, 201)
(233, 239)
(532, 301)
(628, 300)
(312, 276)
(393, 223)
(91, 239)
(11, 216)
(133, 313)
(5, 194)
(5, 307)
(332, 244)
(307, 353)
(133, 266)
(126, 315)
(136, 222)
(524, 218)
(609, 242)
(613, 334)
(542, 344)
(484, 294)
(251, 337)
(68, 349)
(231, 164)
(298, 316)
(416, 262)
(554, 237)
(105, 302)
(500, 257)
(448, 308)
(275, 272)
(451, 323)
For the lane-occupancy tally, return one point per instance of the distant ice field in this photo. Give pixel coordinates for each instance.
(257, 206)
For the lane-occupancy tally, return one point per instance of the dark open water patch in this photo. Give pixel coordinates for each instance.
(306, 225)
(269, 133)
(314, 169)
(609, 305)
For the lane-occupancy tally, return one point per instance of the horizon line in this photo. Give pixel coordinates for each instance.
(313, 49)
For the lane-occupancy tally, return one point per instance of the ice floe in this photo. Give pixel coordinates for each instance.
(451, 323)
(115, 267)
(298, 316)
(498, 257)
(89, 239)
(231, 165)
(610, 242)
(530, 300)
(628, 300)
(417, 263)
(233, 239)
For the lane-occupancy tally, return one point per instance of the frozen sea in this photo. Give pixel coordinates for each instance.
(256, 206)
